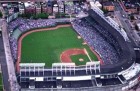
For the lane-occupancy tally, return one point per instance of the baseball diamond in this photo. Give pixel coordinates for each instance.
(50, 46)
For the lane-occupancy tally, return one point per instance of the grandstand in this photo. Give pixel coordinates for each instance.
(122, 46)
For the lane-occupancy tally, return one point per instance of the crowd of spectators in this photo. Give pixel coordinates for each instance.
(13, 44)
(94, 39)
(14, 24)
(105, 34)
(31, 24)
(24, 25)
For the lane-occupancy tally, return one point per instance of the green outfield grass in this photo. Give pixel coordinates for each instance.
(80, 56)
(46, 46)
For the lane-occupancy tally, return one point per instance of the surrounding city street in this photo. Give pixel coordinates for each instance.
(4, 66)
(9, 61)
(125, 22)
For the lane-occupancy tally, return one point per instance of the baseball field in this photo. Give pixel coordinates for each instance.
(61, 44)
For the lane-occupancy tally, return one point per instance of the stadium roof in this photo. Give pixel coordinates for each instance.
(77, 78)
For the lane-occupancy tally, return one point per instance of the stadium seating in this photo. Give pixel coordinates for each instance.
(24, 25)
(92, 35)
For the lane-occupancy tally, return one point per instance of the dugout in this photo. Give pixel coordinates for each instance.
(32, 83)
(59, 82)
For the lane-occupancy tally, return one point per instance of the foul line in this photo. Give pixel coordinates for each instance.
(87, 55)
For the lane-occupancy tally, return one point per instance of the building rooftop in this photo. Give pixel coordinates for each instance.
(108, 4)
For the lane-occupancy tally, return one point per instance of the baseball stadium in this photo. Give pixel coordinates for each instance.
(91, 53)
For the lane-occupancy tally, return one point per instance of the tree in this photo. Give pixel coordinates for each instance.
(0, 14)
(132, 17)
(42, 15)
(105, 11)
(60, 15)
(27, 15)
(34, 16)
(22, 15)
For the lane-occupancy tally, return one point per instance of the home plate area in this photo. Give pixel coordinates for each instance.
(76, 55)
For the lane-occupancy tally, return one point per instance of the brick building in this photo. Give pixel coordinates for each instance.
(108, 6)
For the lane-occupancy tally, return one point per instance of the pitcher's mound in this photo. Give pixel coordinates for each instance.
(81, 60)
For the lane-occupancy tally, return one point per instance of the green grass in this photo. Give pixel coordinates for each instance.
(46, 46)
(80, 56)
(1, 84)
